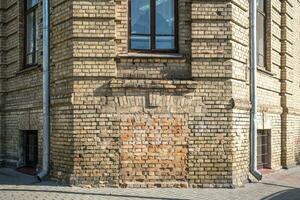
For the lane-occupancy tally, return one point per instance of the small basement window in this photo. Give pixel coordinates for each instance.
(263, 149)
(30, 148)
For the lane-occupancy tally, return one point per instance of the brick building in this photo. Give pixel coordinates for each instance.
(150, 93)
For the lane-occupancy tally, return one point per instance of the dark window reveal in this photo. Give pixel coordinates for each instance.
(261, 33)
(31, 32)
(263, 149)
(153, 25)
(30, 148)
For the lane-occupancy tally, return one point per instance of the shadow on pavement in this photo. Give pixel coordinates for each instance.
(88, 193)
(291, 194)
(10, 176)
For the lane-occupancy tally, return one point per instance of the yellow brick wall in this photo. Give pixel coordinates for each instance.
(62, 150)
(2, 64)
(20, 90)
(296, 81)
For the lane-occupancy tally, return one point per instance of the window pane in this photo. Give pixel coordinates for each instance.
(165, 42)
(140, 42)
(261, 5)
(164, 17)
(31, 37)
(140, 16)
(29, 33)
(31, 3)
(260, 40)
(36, 36)
(29, 58)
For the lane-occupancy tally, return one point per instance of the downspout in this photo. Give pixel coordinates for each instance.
(253, 115)
(46, 93)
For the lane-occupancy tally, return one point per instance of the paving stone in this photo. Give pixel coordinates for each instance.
(284, 184)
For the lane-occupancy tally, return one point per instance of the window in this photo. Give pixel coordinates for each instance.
(31, 32)
(30, 148)
(263, 149)
(153, 25)
(261, 33)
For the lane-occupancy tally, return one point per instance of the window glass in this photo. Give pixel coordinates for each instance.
(31, 3)
(36, 37)
(140, 42)
(31, 44)
(140, 17)
(261, 37)
(164, 17)
(165, 42)
(164, 24)
(152, 20)
(29, 38)
(261, 5)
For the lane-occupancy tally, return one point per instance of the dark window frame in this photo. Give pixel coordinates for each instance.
(152, 30)
(34, 10)
(263, 13)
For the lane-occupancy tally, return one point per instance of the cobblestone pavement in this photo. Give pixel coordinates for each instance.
(282, 185)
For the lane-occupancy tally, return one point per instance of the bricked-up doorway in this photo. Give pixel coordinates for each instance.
(263, 149)
(153, 150)
(30, 148)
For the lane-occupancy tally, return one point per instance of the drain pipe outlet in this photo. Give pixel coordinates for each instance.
(46, 93)
(253, 117)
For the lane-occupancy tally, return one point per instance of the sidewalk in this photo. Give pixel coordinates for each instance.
(282, 185)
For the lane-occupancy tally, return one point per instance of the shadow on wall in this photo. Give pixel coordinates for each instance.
(290, 194)
(298, 157)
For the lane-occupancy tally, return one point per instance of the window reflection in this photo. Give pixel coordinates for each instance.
(159, 12)
(261, 33)
(31, 32)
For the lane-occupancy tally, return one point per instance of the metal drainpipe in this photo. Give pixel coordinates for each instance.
(46, 93)
(253, 117)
